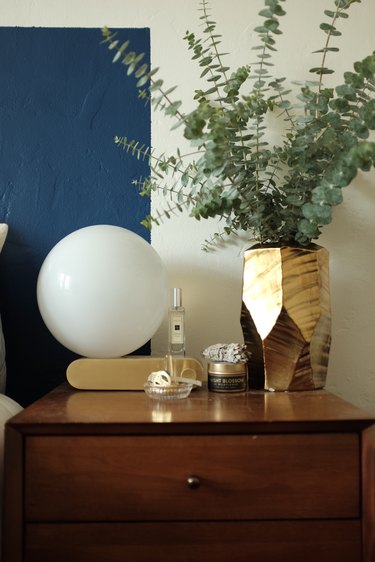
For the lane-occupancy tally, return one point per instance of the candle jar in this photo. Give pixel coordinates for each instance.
(226, 377)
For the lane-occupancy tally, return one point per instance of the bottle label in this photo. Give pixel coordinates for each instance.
(177, 328)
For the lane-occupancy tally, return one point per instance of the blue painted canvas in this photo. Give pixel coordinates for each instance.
(62, 102)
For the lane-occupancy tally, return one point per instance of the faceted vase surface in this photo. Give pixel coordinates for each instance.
(286, 317)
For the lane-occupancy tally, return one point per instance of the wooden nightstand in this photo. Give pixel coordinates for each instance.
(95, 476)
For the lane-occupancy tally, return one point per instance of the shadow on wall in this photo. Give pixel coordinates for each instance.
(61, 104)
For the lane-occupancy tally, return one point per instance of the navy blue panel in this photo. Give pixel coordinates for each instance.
(61, 103)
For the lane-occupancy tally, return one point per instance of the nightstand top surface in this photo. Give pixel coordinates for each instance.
(65, 409)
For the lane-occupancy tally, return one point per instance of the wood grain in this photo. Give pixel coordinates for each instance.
(286, 477)
(13, 527)
(313, 541)
(368, 493)
(68, 411)
(92, 478)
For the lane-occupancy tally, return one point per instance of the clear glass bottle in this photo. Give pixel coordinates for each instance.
(176, 322)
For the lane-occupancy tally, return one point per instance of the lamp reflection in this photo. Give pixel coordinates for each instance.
(64, 281)
(161, 413)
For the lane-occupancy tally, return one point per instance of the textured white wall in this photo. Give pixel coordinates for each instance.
(212, 283)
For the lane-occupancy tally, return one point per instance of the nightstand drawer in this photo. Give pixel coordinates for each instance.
(239, 477)
(240, 541)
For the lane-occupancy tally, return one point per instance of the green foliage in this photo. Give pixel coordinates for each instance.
(280, 194)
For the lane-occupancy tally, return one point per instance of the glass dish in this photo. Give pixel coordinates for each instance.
(172, 392)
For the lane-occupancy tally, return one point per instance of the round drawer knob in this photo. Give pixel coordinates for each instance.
(193, 482)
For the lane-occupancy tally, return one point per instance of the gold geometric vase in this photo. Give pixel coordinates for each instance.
(286, 317)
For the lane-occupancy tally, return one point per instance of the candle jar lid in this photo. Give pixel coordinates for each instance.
(224, 368)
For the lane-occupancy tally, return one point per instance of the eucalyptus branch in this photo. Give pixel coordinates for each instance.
(330, 30)
(280, 194)
(148, 185)
(144, 152)
(141, 72)
(323, 70)
(210, 27)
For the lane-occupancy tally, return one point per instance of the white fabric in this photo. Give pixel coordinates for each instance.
(3, 235)
(3, 369)
(8, 409)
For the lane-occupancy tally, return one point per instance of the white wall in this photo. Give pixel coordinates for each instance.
(212, 282)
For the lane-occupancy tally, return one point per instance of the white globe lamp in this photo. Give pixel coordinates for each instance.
(102, 291)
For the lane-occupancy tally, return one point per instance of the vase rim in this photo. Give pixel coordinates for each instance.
(309, 248)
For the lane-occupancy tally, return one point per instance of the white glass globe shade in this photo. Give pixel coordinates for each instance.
(102, 291)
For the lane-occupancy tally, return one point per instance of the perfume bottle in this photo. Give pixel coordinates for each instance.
(176, 321)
